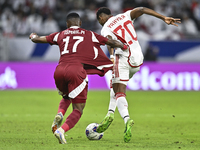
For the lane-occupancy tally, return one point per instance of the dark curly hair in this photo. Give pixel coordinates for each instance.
(72, 15)
(104, 10)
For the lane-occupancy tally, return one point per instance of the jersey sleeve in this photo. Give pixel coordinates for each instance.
(53, 38)
(105, 32)
(128, 14)
(98, 38)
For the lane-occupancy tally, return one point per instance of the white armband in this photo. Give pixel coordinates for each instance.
(111, 56)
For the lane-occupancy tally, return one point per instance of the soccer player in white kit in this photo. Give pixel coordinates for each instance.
(126, 63)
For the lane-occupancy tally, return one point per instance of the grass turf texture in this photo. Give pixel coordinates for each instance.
(163, 120)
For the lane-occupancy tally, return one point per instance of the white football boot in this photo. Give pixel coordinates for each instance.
(57, 122)
(59, 134)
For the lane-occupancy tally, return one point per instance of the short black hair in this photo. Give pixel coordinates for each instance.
(104, 10)
(72, 15)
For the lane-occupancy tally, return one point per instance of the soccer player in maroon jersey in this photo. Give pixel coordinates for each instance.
(80, 54)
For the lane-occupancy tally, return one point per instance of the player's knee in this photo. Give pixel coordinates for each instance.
(121, 99)
(112, 93)
(120, 94)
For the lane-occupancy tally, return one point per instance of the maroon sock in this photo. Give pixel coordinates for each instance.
(71, 120)
(64, 104)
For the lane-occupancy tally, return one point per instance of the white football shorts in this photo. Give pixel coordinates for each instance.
(122, 71)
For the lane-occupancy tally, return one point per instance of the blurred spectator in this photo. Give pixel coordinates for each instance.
(61, 13)
(50, 25)
(16, 4)
(100, 3)
(39, 3)
(188, 26)
(164, 9)
(35, 13)
(89, 19)
(151, 53)
(46, 9)
(7, 23)
(21, 24)
(7, 27)
(115, 6)
(35, 22)
(197, 11)
(5, 4)
(91, 12)
(78, 7)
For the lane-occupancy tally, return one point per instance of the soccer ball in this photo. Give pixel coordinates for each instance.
(91, 132)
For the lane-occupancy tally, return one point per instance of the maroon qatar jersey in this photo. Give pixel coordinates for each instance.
(83, 46)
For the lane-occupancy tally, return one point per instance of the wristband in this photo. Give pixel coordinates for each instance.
(124, 47)
(111, 56)
(33, 36)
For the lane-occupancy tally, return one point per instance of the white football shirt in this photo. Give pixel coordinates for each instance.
(120, 27)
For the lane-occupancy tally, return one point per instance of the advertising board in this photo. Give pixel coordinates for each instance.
(152, 76)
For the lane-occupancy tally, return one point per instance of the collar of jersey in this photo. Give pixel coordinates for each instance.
(75, 27)
(110, 17)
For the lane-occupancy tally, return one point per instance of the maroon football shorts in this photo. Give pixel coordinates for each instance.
(70, 80)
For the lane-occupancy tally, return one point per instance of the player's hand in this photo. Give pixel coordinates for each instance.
(33, 35)
(172, 21)
(126, 47)
(112, 59)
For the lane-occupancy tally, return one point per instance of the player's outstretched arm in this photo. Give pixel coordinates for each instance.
(37, 39)
(137, 12)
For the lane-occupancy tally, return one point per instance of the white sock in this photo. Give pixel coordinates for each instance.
(123, 107)
(113, 103)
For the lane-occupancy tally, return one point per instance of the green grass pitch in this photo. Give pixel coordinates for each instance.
(163, 121)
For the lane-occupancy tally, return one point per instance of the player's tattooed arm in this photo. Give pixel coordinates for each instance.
(37, 39)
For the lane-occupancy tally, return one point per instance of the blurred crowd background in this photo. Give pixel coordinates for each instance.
(21, 17)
